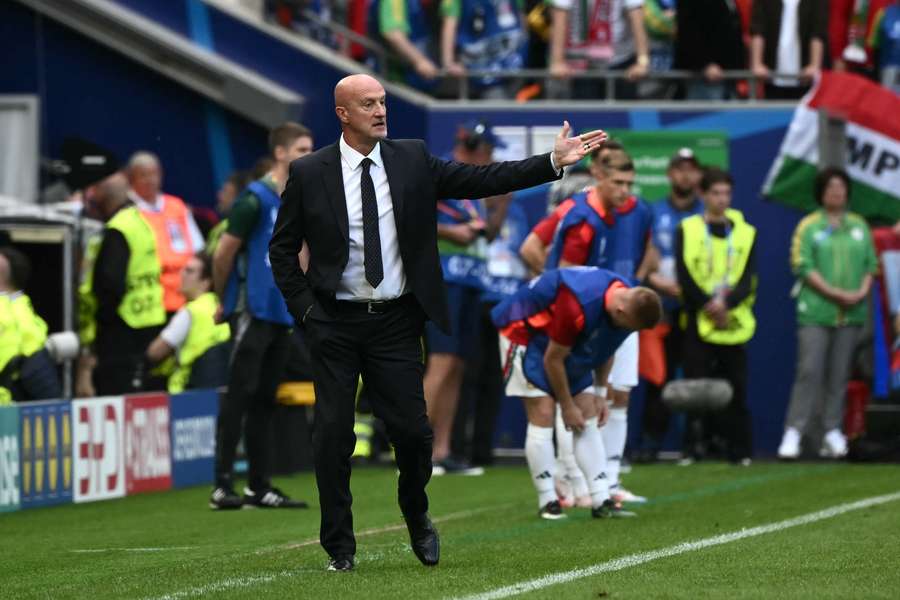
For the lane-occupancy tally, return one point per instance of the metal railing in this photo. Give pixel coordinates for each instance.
(345, 37)
(610, 77)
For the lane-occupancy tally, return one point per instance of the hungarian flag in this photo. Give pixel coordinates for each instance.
(872, 114)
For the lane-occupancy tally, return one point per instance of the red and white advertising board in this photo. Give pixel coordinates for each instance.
(98, 448)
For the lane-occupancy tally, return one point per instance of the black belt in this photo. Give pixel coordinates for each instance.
(374, 307)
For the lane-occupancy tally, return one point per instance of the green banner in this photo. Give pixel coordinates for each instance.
(10, 479)
(651, 151)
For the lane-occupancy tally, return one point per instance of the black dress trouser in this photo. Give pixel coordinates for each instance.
(702, 359)
(259, 355)
(346, 341)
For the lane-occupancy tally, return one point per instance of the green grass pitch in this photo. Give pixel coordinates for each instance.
(170, 545)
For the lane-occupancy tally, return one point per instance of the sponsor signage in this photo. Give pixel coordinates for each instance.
(193, 416)
(148, 465)
(45, 442)
(98, 448)
(10, 477)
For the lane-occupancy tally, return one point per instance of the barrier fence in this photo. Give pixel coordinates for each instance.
(91, 449)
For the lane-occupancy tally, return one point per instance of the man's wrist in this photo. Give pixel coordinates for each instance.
(557, 170)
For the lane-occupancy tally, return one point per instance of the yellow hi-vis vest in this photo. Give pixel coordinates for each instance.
(10, 345)
(713, 262)
(203, 335)
(32, 328)
(142, 305)
(87, 303)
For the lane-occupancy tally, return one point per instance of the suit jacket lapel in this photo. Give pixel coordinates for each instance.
(334, 187)
(394, 183)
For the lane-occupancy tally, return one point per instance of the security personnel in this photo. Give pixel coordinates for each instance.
(125, 288)
(38, 379)
(715, 268)
(177, 236)
(10, 342)
(193, 332)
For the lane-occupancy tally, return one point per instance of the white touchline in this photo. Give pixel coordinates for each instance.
(151, 549)
(617, 564)
(221, 586)
(388, 528)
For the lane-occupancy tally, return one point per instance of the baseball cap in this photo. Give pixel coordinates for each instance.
(474, 133)
(87, 163)
(683, 155)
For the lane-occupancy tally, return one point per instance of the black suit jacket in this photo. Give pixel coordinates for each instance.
(313, 208)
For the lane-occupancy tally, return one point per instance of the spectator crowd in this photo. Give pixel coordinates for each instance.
(431, 44)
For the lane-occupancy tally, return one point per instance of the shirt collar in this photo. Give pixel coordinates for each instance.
(353, 158)
(155, 206)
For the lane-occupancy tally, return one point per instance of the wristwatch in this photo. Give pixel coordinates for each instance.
(643, 60)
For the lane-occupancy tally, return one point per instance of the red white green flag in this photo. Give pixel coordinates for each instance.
(872, 114)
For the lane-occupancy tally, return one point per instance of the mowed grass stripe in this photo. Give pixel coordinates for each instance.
(483, 552)
(633, 560)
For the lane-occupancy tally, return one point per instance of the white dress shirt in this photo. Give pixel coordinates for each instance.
(197, 241)
(353, 284)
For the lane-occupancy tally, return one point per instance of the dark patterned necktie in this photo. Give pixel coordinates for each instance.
(371, 237)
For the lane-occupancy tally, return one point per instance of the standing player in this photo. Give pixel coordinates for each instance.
(555, 332)
(260, 326)
(608, 227)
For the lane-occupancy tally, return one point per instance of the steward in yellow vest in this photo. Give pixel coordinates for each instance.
(10, 356)
(715, 267)
(37, 377)
(125, 289)
(193, 334)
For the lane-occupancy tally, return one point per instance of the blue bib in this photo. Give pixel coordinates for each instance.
(490, 37)
(599, 338)
(582, 212)
(264, 299)
(630, 241)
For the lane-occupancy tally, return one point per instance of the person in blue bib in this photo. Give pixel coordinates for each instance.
(463, 230)
(608, 227)
(558, 336)
(260, 328)
(684, 174)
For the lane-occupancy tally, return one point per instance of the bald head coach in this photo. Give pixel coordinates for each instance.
(366, 207)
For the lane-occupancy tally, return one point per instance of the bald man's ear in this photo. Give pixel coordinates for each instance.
(341, 112)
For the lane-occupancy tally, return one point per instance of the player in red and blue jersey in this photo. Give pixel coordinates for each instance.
(558, 335)
(604, 226)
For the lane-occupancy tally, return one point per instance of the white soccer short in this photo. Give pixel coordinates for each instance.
(517, 385)
(624, 374)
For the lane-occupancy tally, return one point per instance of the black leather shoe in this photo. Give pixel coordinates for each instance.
(423, 537)
(341, 563)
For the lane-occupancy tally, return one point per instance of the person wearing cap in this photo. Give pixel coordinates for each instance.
(463, 231)
(177, 236)
(121, 293)
(684, 176)
(37, 377)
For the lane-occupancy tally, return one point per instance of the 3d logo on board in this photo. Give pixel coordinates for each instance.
(99, 465)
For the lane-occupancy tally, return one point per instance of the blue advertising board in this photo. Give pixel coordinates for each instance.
(45, 442)
(193, 418)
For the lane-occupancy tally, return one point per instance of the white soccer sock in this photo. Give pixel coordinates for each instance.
(541, 462)
(591, 458)
(565, 454)
(614, 433)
